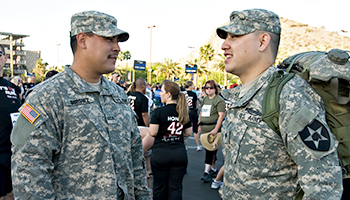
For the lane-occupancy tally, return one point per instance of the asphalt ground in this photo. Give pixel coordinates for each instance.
(193, 187)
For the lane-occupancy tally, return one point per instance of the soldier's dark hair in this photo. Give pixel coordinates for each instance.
(275, 42)
(73, 41)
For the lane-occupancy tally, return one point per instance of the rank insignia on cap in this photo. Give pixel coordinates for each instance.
(29, 113)
(316, 136)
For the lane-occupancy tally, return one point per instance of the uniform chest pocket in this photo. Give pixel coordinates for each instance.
(233, 134)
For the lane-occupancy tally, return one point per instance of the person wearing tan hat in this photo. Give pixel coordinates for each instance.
(77, 136)
(211, 116)
(259, 162)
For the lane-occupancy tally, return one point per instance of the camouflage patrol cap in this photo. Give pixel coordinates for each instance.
(247, 21)
(98, 23)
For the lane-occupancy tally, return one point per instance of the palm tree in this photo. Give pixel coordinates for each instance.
(125, 55)
(167, 67)
(120, 56)
(40, 69)
(206, 53)
(219, 65)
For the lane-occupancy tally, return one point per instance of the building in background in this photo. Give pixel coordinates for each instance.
(19, 61)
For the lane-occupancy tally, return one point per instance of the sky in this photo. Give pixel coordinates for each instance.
(179, 24)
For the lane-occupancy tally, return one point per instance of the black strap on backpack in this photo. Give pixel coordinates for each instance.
(270, 104)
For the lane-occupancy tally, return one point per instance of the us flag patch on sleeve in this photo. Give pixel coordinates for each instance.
(29, 113)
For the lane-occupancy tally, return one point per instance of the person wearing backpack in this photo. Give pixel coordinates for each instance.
(299, 160)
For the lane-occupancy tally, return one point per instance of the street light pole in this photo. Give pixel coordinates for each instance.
(150, 51)
(196, 76)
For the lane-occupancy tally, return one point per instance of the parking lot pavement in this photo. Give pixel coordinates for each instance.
(193, 187)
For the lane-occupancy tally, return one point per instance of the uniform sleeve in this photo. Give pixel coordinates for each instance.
(310, 143)
(35, 143)
(142, 192)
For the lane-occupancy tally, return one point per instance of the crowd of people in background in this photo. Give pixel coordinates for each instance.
(205, 111)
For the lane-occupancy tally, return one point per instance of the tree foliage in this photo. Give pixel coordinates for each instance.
(168, 67)
(206, 53)
(123, 55)
(40, 69)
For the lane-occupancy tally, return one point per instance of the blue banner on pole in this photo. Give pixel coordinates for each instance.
(191, 69)
(139, 65)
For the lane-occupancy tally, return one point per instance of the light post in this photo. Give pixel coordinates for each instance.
(149, 75)
(58, 55)
(150, 51)
(195, 78)
(342, 45)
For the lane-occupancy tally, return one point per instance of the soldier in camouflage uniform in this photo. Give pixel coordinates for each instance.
(260, 163)
(77, 137)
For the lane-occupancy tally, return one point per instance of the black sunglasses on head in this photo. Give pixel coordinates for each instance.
(2, 53)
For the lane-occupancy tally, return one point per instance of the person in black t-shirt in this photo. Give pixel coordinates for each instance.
(10, 102)
(139, 102)
(169, 125)
(192, 101)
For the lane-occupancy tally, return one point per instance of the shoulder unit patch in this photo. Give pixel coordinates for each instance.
(316, 136)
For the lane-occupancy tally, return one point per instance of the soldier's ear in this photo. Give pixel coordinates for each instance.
(81, 40)
(264, 41)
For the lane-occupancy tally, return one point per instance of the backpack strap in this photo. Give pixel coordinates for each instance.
(298, 57)
(270, 104)
(293, 61)
(334, 85)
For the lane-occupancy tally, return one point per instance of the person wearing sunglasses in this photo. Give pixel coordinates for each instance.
(10, 102)
(211, 116)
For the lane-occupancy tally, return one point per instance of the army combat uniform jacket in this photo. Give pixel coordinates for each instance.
(261, 164)
(74, 142)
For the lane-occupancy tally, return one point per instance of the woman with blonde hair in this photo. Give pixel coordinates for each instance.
(169, 125)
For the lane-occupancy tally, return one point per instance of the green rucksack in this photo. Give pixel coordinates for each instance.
(329, 74)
